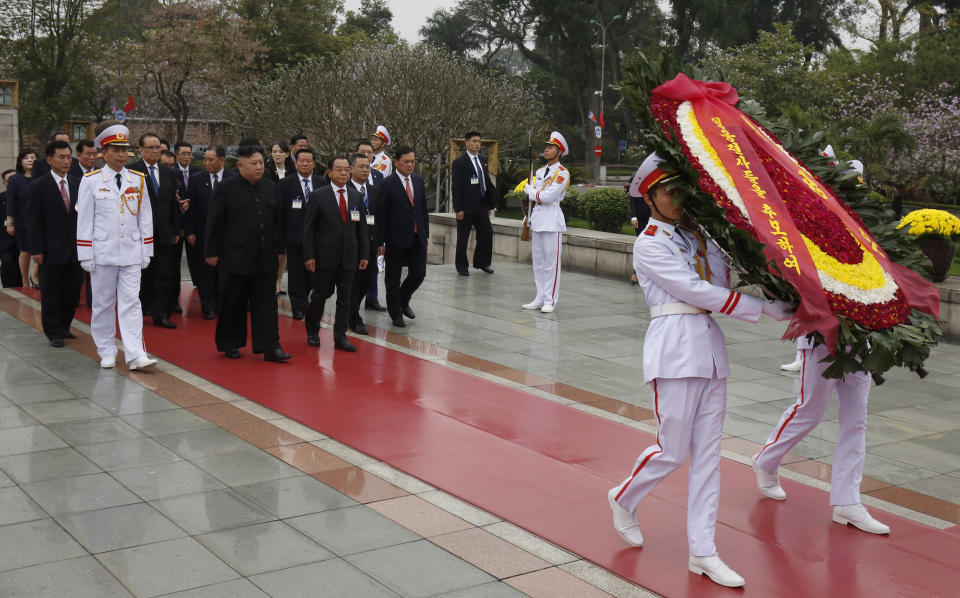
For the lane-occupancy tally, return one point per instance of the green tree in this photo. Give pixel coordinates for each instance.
(373, 22)
(292, 30)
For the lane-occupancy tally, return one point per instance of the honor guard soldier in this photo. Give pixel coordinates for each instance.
(547, 223)
(114, 243)
(683, 278)
(381, 161)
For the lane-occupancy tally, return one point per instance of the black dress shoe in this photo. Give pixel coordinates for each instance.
(360, 329)
(232, 353)
(299, 315)
(344, 345)
(276, 355)
(164, 323)
(398, 322)
(209, 315)
(463, 273)
(408, 312)
(313, 340)
(69, 335)
(486, 269)
(375, 306)
(176, 309)
(56, 342)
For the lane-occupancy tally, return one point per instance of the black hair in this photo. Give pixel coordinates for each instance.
(283, 147)
(470, 134)
(179, 144)
(246, 151)
(144, 137)
(335, 158)
(219, 150)
(355, 157)
(164, 142)
(168, 153)
(364, 142)
(6, 172)
(23, 154)
(296, 138)
(402, 150)
(54, 145)
(308, 150)
(85, 143)
(53, 137)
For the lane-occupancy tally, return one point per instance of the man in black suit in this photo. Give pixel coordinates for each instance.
(183, 152)
(405, 230)
(86, 158)
(199, 195)
(296, 189)
(335, 246)
(374, 179)
(244, 237)
(471, 185)
(9, 254)
(42, 166)
(157, 284)
(297, 143)
(359, 180)
(52, 213)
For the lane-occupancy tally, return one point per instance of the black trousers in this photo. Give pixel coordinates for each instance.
(361, 284)
(235, 292)
(483, 252)
(176, 259)
(59, 297)
(324, 283)
(372, 273)
(415, 259)
(298, 279)
(205, 278)
(10, 267)
(156, 285)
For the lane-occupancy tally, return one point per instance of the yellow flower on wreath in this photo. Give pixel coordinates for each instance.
(929, 222)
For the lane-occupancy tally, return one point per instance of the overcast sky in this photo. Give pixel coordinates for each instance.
(408, 15)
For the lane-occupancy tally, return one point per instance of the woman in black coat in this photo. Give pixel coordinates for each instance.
(18, 192)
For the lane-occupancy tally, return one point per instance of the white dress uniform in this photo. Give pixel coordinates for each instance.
(115, 229)
(685, 362)
(383, 163)
(547, 226)
(807, 412)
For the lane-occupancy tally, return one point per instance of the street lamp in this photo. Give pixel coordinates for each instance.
(603, 51)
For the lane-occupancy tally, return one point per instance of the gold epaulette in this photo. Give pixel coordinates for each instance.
(92, 172)
(136, 172)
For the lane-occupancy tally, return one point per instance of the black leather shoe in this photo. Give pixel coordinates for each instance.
(486, 269)
(276, 355)
(56, 342)
(313, 340)
(232, 353)
(408, 312)
(164, 323)
(299, 315)
(209, 315)
(360, 329)
(463, 273)
(375, 306)
(176, 309)
(398, 322)
(69, 335)
(344, 345)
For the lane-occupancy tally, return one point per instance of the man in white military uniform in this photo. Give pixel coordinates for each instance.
(381, 161)
(547, 223)
(685, 362)
(114, 243)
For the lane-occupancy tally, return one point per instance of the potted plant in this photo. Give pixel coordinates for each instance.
(939, 233)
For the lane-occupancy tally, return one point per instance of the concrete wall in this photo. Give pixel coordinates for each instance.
(9, 137)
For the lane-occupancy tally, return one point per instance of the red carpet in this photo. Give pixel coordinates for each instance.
(547, 468)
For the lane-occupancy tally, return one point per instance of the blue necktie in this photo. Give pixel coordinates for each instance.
(153, 180)
(483, 185)
(306, 189)
(366, 200)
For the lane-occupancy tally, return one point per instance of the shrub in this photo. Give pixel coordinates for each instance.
(606, 209)
(570, 204)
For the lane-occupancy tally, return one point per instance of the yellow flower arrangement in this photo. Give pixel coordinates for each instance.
(932, 224)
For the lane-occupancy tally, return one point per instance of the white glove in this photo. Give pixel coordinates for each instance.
(144, 263)
(530, 190)
(88, 265)
(778, 310)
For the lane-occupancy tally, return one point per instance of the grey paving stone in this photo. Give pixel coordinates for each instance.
(37, 393)
(290, 497)
(203, 443)
(5, 480)
(95, 431)
(131, 401)
(238, 588)
(12, 416)
(163, 480)
(80, 577)
(333, 578)
(487, 590)
(23, 374)
(119, 527)
(46, 465)
(125, 454)
(353, 529)
(15, 441)
(17, 507)
(166, 567)
(401, 568)
(60, 411)
(263, 547)
(81, 493)
(211, 511)
(246, 466)
(158, 423)
(35, 542)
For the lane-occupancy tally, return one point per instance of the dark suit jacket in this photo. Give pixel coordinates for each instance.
(193, 170)
(291, 191)
(166, 210)
(42, 167)
(53, 229)
(245, 226)
(396, 216)
(200, 194)
(467, 197)
(18, 195)
(76, 171)
(376, 176)
(639, 210)
(7, 242)
(373, 232)
(329, 240)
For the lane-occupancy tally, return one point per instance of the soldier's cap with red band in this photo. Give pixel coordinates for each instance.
(383, 133)
(649, 175)
(113, 135)
(560, 141)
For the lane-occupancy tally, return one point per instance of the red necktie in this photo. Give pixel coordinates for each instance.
(410, 195)
(64, 194)
(343, 207)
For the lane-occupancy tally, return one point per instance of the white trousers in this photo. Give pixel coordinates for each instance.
(546, 265)
(690, 422)
(804, 415)
(116, 296)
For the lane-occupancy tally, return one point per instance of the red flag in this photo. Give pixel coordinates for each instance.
(129, 106)
(600, 120)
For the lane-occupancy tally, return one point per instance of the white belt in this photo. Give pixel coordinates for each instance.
(670, 309)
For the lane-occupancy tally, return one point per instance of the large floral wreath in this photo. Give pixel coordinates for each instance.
(792, 231)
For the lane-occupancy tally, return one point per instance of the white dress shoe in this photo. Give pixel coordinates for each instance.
(768, 483)
(533, 305)
(792, 367)
(716, 570)
(547, 309)
(109, 361)
(858, 516)
(624, 521)
(142, 362)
